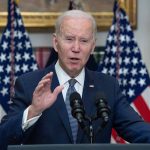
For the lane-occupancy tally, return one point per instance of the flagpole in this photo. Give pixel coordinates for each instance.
(117, 13)
(12, 48)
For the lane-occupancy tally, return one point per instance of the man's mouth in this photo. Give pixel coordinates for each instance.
(74, 59)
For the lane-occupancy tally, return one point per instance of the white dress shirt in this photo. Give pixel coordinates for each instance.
(63, 79)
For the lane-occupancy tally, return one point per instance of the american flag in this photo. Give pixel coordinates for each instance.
(15, 42)
(123, 60)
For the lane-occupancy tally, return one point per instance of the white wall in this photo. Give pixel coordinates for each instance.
(142, 33)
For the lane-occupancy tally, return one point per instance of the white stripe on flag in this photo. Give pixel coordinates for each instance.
(134, 107)
(146, 96)
(113, 141)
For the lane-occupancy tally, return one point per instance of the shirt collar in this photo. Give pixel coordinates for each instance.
(63, 77)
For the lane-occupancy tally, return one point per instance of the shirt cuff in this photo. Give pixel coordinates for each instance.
(28, 123)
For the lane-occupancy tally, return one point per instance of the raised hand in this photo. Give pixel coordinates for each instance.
(43, 97)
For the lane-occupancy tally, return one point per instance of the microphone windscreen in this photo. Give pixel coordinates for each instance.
(74, 96)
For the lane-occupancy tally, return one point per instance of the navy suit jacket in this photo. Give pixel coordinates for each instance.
(53, 125)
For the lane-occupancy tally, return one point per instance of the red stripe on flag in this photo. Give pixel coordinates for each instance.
(117, 138)
(142, 108)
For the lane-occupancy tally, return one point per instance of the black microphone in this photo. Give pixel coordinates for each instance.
(103, 110)
(78, 111)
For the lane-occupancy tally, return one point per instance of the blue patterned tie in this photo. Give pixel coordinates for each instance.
(73, 121)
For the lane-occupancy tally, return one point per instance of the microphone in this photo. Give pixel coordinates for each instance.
(78, 111)
(103, 110)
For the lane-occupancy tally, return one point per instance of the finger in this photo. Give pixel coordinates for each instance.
(58, 90)
(42, 84)
(44, 81)
(38, 89)
(48, 75)
(51, 77)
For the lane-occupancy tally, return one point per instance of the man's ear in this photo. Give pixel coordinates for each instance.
(55, 42)
(93, 47)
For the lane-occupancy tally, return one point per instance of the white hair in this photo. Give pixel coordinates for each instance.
(78, 14)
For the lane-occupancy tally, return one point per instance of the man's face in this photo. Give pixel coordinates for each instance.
(74, 44)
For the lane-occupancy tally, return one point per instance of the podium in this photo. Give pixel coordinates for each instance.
(81, 147)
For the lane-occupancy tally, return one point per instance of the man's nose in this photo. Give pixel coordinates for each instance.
(76, 46)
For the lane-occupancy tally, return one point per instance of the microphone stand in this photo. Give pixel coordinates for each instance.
(91, 131)
(88, 129)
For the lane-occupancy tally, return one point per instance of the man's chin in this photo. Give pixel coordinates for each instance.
(74, 72)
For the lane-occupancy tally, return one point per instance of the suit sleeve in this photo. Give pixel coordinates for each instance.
(12, 122)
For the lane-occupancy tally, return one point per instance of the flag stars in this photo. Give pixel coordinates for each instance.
(7, 33)
(18, 11)
(19, 45)
(128, 51)
(110, 38)
(122, 38)
(134, 72)
(120, 71)
(143, 71)
(141, 82)
(128, 39)
(26, 35)
(107, 49)
(5, 45)
(131, 93)
(4, 91)
(127, 60)
(125, 71)
(104, 70)
(28, 45)
(114, 49)
(111, 71)
(136, 50)
(1, 69)
(20, 22)
(6, 80)
(26, 56)
(25, 68)
(17, 68)
(23, 54)
(19, 35)
(18, 57)
(128, 27)
(112, 28)
(124, 82)
(2, 57)
(34, 67)
(33, 56)
(8, 68)
(15, 34)
(132, 82)
(124, 92)
(106, 61)
(135, 61)
(112, 60)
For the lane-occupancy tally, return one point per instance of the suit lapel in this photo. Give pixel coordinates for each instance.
(61, 108)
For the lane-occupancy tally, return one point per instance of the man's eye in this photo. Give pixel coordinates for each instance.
(69, 39)
(84, 41)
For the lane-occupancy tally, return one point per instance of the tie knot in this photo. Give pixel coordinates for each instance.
(72, 82)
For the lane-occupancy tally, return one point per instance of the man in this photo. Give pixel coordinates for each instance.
(38, 114)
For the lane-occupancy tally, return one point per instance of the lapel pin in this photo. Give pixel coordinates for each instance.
(91, 85)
